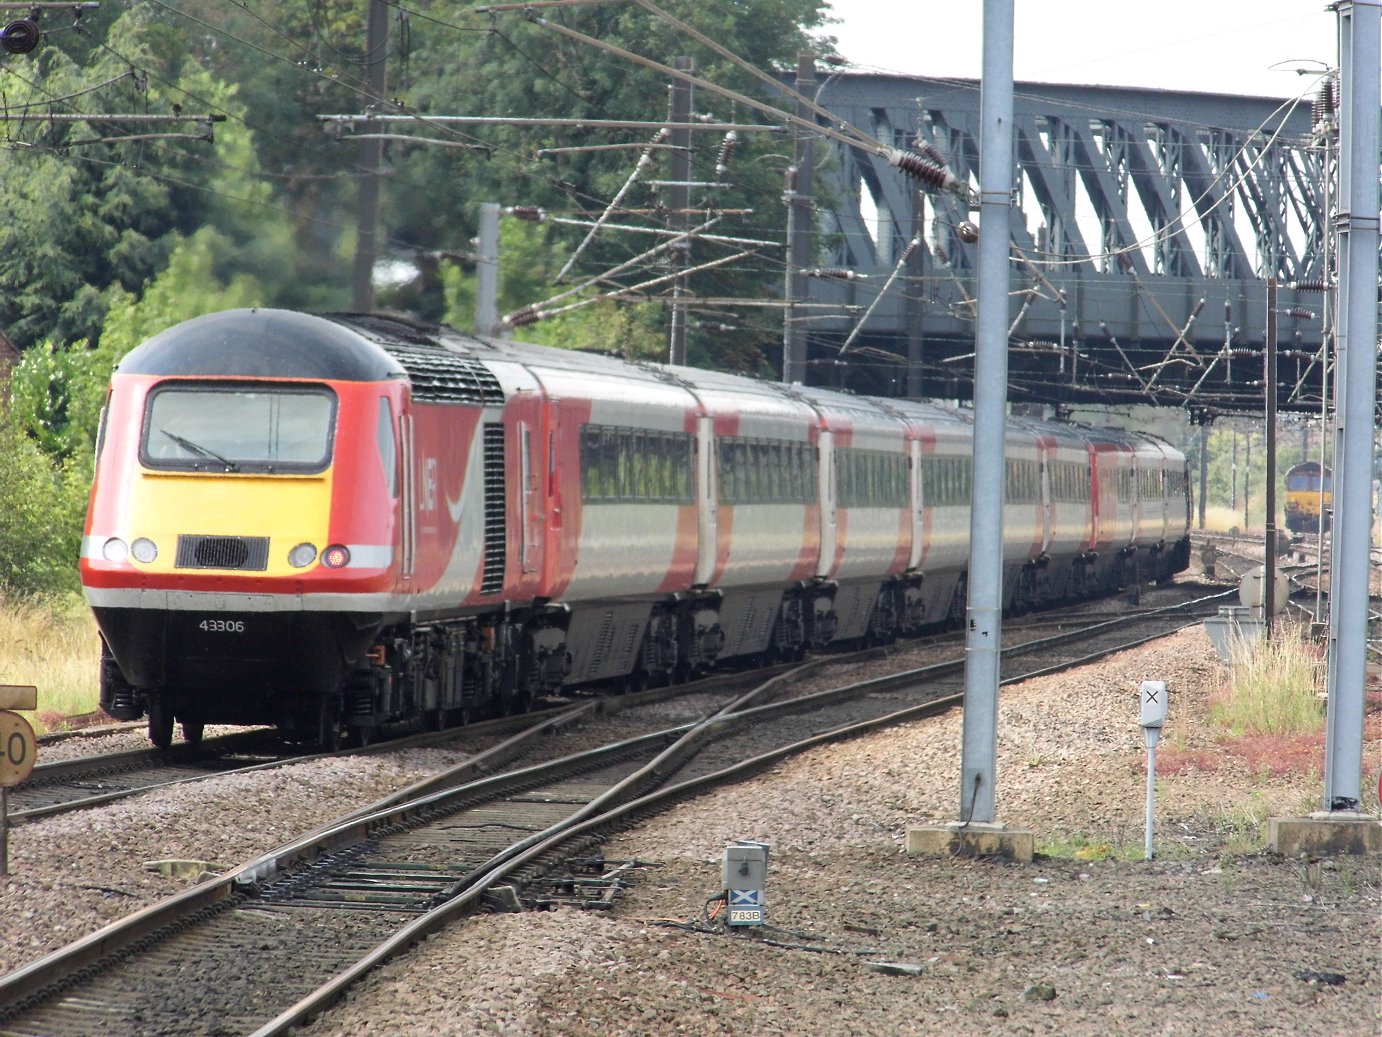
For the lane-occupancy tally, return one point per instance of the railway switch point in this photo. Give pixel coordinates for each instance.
(972, 839)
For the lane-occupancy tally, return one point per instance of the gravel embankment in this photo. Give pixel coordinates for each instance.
(1212, 937)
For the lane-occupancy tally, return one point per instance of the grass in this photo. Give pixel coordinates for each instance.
(1221, 519)
(54, 647)
(1079, 847)
(1273, 690)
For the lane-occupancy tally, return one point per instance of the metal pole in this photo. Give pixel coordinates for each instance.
(487, 272)
(680, 193)
(367, 199)
(1233, 472)
(800, 184)
(1204, 468)
(1247, 478)
(1360, 46)
(1151, 796)
(1326, 333)
(1269, 535)
(915, 296)
(984, 611)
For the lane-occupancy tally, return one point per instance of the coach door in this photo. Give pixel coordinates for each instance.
(707, 497)
(532, 478)
(917, 507)
(826, 491)
(409, 532)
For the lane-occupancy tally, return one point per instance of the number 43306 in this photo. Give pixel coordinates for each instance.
(222, 626)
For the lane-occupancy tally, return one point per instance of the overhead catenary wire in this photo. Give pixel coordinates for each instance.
(657, 250)
(922, 169)
(645, 160)
(960, 84)
(912, 246)
(770, 260)
(529, 315)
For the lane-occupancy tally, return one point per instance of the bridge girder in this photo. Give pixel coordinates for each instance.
(1145, 226)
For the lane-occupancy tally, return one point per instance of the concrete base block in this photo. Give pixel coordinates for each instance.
(975, 839)
(1325, 833)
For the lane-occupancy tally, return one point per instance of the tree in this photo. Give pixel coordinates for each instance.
(512, 67)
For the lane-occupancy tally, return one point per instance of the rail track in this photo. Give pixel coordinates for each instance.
(80, 783)
(88, 781)
(264, 947)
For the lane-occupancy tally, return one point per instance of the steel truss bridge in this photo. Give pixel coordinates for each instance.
(1145, 226)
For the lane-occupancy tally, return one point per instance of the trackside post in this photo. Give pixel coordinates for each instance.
(1154, 703)
(18, 750)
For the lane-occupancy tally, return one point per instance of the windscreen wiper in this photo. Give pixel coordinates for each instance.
(197, 448)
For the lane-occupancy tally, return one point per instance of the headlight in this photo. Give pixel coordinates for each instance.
(115, 550)
(337, 556)
(303, 555)
(144, 550)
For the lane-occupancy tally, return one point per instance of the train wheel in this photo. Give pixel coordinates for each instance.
(361, 736)
(329, 728)
(192, 731)
(160, 721)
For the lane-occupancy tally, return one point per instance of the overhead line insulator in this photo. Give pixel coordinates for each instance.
(931, 174)
(727, 147)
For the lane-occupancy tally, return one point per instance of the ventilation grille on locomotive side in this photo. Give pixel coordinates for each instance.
(496, 533)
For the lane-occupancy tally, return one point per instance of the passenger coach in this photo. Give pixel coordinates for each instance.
(336, 523)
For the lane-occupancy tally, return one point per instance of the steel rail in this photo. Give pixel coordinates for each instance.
(31, 984)
(617, 806)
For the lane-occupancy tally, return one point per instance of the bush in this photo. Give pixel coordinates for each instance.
(42, 509)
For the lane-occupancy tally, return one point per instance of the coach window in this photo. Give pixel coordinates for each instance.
(388, 448)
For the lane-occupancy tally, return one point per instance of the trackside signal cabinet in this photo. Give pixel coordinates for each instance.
(745, 873)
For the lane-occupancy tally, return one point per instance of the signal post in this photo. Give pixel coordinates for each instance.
(18, 752)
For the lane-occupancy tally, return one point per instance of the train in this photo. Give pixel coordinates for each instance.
(1309, 497)
(341, 523)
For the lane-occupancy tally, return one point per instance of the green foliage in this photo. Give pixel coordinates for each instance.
(41, 509)
(528, 261)
(93, 220)
(56, 395)
(192, 284)
(504, 65)
(1237, 470)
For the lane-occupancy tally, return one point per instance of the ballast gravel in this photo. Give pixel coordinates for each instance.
(1211, 937)
(1214, 936)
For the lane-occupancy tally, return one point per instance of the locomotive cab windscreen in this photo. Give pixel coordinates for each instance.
(238, 428)
(1308, 477)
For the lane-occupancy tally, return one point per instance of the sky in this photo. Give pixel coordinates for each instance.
(1211, 46)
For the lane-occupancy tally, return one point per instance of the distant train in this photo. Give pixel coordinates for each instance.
(1309, 498)
(332, 523)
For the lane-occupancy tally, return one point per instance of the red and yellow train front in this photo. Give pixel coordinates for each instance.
(240, 549)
